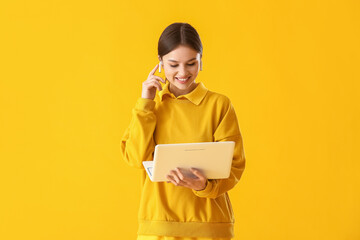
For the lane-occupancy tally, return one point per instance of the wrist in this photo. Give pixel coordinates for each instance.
(203, 187)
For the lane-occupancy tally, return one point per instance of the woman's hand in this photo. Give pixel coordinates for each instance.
(151, 84)
(178, 178)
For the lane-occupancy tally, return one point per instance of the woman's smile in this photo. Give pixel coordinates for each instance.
(182, 80)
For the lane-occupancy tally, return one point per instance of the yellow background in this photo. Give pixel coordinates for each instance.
(71, 72)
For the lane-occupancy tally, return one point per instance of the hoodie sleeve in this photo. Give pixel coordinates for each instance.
(227, 130)
(137, 143)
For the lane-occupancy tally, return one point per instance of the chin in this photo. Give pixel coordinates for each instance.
(184, 87)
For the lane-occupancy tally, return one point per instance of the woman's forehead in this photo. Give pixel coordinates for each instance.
(182, 54)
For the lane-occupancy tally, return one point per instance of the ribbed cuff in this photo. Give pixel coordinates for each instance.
(145, 104)
(205, 192)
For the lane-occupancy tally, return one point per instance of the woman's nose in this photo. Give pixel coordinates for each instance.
(182, 71)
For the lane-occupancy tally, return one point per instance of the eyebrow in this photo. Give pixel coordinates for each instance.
(172, 60)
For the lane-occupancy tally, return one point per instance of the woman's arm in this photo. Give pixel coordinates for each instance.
(137, 143)
(227, 130)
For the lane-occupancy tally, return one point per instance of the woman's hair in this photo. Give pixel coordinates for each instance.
(179, 34)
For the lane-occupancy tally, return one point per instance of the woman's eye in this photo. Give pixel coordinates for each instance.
(191, 64)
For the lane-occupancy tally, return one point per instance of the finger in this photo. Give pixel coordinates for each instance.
(175, 176)
(154, 70)
(171, 179)
(153, 83)
(197, 173)
(180, 174)
(160, 78)
(157, 78)
(153, 80)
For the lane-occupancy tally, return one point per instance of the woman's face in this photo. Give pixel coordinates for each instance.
(181, 66)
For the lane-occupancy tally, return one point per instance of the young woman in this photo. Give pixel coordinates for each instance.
(182, 111)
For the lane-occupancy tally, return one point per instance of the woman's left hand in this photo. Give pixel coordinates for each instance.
(178, 178)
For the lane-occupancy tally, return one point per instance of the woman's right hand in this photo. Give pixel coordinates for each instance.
(151, 84)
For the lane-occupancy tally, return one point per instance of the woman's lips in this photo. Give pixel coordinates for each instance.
(182, 80)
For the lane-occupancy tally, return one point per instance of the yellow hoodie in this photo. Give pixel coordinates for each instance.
(199, 116)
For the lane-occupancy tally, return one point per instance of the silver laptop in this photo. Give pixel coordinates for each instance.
(213, 159)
